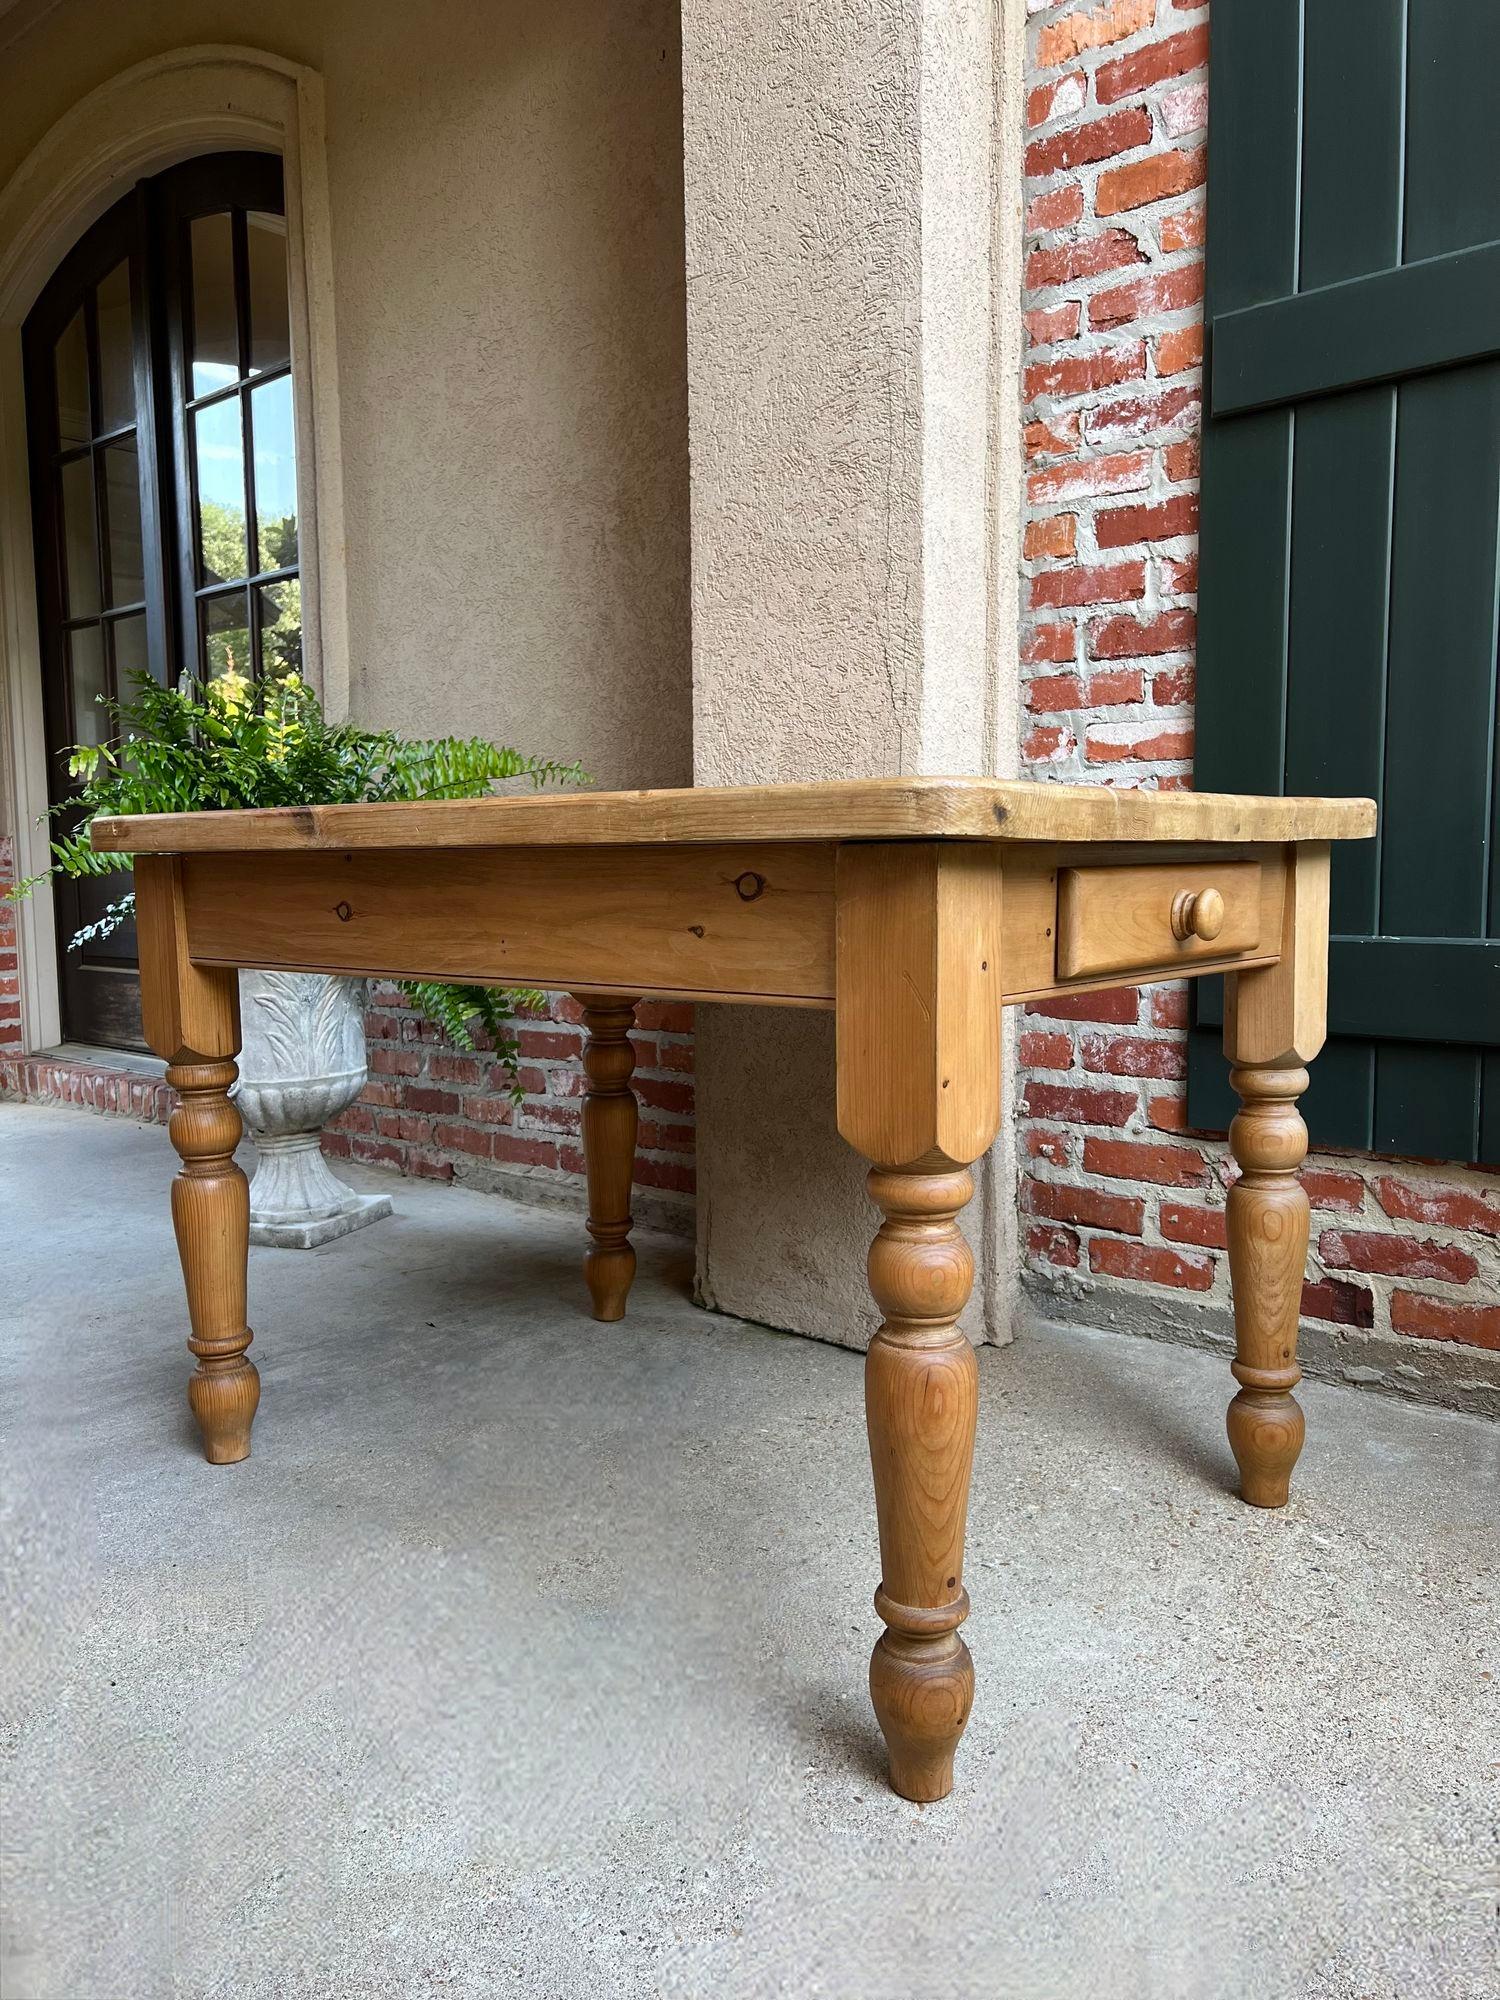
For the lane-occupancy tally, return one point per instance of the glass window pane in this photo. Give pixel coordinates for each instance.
(128, 638)
(275, 472)
(70, 359)
(280, 628)
(116, 351)
(216, 346)
(86, 658)
(219, 454)
(126, 581)
(270, 339)
(79, 541)
(226, 636)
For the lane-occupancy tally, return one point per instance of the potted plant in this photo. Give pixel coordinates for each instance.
(230, 743)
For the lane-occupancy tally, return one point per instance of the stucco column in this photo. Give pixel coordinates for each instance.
(853, 233)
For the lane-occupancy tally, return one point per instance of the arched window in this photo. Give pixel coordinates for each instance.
(164, 484)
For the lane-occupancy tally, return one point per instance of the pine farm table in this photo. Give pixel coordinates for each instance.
(915, 909)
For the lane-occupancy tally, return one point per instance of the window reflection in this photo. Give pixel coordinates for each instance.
(216, 344)
(71, 362)
(226, 635)
(219, 463)
(86, 667)
(275, 458)
(116, 350)
(126, 580)
(128, 640)
(281, 628)
(80, 546)
(270, 338)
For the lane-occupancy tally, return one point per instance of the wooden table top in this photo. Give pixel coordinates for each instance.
(969, 809)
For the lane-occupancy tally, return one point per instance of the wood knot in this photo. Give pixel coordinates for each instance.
(749, 885)
(343, 912)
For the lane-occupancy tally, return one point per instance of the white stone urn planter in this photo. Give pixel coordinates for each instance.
(302, 1063)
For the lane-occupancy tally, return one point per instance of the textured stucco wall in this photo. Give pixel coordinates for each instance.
(844, 356)
(506, 192)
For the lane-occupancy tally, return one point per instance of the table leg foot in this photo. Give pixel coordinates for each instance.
(1267, 1213)
(921, 1402)
(609, 1127)
(211, 1216)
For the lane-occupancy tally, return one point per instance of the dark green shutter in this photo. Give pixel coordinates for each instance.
(1350, 573)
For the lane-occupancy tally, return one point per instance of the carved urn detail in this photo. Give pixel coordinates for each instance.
(302, 1063)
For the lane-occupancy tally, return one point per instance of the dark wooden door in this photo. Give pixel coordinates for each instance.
(159, 416)
(101, 566)
(1350, 589)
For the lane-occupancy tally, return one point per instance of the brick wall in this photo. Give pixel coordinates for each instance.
(1119, 1200)
(10, 970)
(432, 1110)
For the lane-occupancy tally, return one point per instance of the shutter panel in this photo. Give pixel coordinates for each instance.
(1349, 607)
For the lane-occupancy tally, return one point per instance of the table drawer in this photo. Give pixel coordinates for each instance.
(1136, 919)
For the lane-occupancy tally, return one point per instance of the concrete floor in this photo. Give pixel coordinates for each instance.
(527, 1657)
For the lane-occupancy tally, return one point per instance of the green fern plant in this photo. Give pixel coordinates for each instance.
(229, 744)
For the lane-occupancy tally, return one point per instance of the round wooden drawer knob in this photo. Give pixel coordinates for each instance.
(1197, 913)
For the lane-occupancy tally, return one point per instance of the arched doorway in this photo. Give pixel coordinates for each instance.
(161, 440)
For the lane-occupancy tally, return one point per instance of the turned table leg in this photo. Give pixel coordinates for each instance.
(921, 1401)
(1274, 1024)
(191, 1015)
(609, 1127)
(1268, 1227)
(211, 1216)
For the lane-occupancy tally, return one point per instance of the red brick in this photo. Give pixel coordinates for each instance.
(1042, 1144)
(1148, 180)
(1049, 645)
(1098, 139)
(1110, 583)
(1041, 1050)
(1051, 694)
(1125, 638)
(387, 1061)
(1167, 746)
(1184, 108)
(1169, 1007)
(1337, 1300)
(1173, 56)
(1058, 208)
(1092, 1208)
(1059, 438)
(1437, 1319)
(1120, 527)
(1184, 229)
(1177, 576)
(1180, 408)
(1326, 1188)
(669, 1174)
(556, 1044)
(1126, 472)
(1052, 1245)
(1162, 292)
(664, 1094)
(1082, 257)
(1134, 1055)
(1079, 374)
(1394, 1256)
(1049, 323)
(1174, 685)
(1136, 1160)
(517, 1150)
(1117, 685)
(1057, 535)
(1092, 28)
(1180, 461)
(1186, 1224)
(1064, 97)
(1111, 1256)
(666, 1017)
(1046, 744)
(1116, 1004)
(1178, 351)
(1439, 1207)
(1077, 1104)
